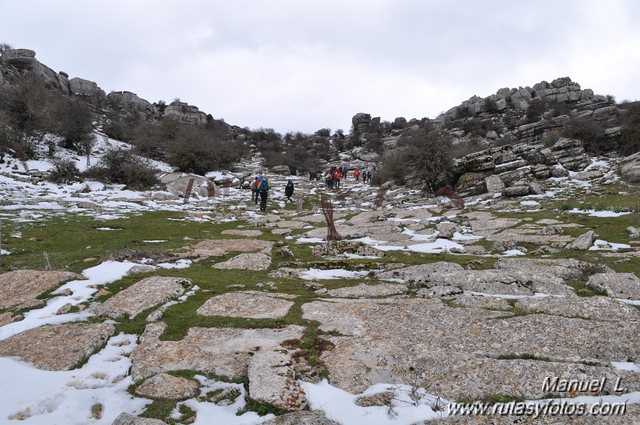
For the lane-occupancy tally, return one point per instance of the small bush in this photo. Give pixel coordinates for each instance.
(64, 171)
(589, 132)
(630, 137)
(120, 166)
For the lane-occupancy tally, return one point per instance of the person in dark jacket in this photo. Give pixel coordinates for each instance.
(288, 190)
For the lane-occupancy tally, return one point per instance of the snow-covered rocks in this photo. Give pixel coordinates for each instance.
(142, 295)
(247, 304)
(57, 347)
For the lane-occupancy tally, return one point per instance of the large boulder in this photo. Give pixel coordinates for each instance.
(129, 100)
(583, 241)
(24, 60)
(177, 183)
(630, 168)
(82, 87)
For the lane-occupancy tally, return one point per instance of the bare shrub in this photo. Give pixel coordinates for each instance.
(120, 166)
(588, 131)
(64, 171)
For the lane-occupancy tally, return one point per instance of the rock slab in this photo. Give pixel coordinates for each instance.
(57, 347)
(142, 295)
(272, 381)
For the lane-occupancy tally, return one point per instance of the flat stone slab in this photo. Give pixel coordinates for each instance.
(142, 295)
(457, 350)
(129, 419)
(248, 304)
(218, 247)
(23, 286)
(369, 291)
(618, 285)
(413, 274)
(315, 417)
(222, 351)
(245, 233)
(272, 380)
(57, 347)
(168, 387)
(597, 308)
(257, 261)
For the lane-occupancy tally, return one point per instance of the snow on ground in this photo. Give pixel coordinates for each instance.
(435, 247)
(602, 245)
(628, 366)
(340, 406)
(66, 397)
(81, 291)
(603, 214)
(313, 274)
(210, 413)
(512, 253)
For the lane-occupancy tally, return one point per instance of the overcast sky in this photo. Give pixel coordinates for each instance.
(309, 64)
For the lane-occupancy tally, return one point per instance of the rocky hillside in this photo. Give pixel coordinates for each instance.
(517, 137)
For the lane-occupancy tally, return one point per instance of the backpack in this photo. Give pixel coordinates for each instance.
(264, 185)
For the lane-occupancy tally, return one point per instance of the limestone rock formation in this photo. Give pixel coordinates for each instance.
(129, 100)
(186, 113)
(82, 87)
(24, 60)
(518, 167)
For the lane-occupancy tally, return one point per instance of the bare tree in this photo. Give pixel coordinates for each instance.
(327, 210)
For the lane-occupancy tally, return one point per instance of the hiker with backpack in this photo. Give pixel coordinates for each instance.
(288, 191)
(356, 174)
(263, 189)
(254, 190)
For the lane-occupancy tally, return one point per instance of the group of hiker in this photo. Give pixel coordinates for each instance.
(260, 185)
(260, 191)
(334, 175)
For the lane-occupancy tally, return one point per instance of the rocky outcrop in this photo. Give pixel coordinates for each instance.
(185, 113)
(129, 101)
(57, 347)
(514, 170)
(24, 60)
(630, 168)
(218, 247)
(82, 87)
